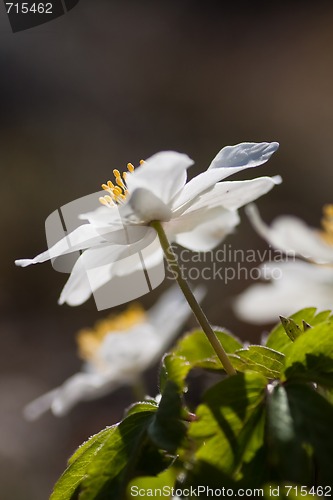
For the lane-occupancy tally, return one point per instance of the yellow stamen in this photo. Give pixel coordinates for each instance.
(328, 210)
(103, 201)
(327, 224)
(120, 182)
(117, 191)
(142, 162)
(90, 340)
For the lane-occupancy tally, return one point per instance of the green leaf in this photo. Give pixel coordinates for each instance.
(321, 318)
(227, 409)
(311, 356)
(68, 483)
(175, 369)
(300, 424)
(291, 327)
(251, 436)
(286, 452)
(260, 359)
(306, 326)
(124, 454)
(279, 340)
(193, 351)
(167, 429)
(195, 347)
(141, 406)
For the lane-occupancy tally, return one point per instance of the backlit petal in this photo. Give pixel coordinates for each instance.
(229, 160)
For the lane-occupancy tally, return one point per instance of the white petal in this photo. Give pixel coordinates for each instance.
(170, 312)
(104, 216)
(81, 387)
(233, 194)
(164, 174)
(42, 404)
(151, 256)
(82, 237)
(229, 160)
(99, 261)
(301, 285)
(298, 270)
(203, 230)
(244, 155)
(146, 206)
(78, 289)
(291, 234)
(131, 352)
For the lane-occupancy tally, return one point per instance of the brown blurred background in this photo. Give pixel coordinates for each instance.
(112, 82)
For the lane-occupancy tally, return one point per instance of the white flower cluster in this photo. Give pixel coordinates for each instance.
(306, 282)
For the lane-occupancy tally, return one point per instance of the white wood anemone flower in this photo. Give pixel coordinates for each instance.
(117, 350)
(197, 214)
(293, 285)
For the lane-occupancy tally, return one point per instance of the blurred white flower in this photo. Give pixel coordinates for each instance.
(292, 286)
(296, 284)
(116, 351)
(291, 235)
(197, 214)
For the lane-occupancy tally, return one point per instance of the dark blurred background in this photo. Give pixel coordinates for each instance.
(112, 82)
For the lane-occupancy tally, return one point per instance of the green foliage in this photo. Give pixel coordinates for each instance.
(311, 356)
(167, 429)
(78, 464)
(259, 359)
(280, 340)
(102, 467)
(291, 327)
(299, 423)
(268, 426)
(223, 418)
(175, 369)
(195, 348)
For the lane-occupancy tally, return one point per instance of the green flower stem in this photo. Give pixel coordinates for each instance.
(194, 305)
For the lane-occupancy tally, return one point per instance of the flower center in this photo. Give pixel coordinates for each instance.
(89, 340)
(117, 190)
(327, 224)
